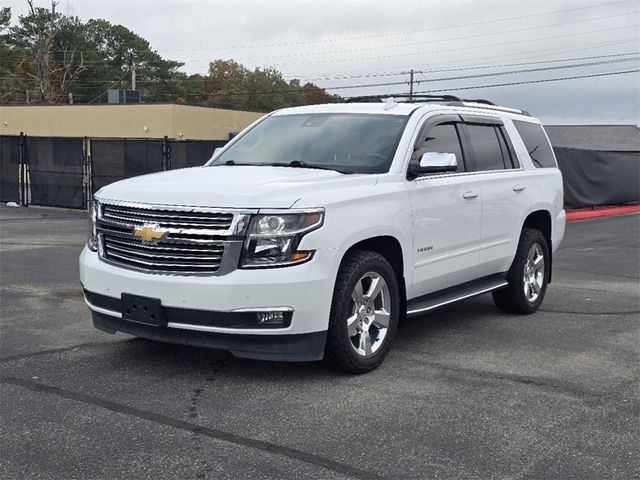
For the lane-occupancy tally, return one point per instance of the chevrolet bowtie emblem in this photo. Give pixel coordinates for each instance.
(150, 233)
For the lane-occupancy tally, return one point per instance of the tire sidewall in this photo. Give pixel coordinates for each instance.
(538, 239)
(378, 265)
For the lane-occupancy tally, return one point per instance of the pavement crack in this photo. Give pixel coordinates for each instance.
(518, 379)
(213, 433)
(22, 356)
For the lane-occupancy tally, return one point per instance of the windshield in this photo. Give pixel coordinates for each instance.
(349, 143)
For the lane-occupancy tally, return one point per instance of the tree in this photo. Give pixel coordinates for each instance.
(49, 63)
(48, 57)
(314, 95)
(231, 85)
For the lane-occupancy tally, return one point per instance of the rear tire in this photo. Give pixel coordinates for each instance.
(364, 313)
(528, 276)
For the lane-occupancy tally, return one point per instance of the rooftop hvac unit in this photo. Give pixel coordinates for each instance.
(121, 95)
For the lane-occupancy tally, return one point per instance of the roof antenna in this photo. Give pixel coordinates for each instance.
(389, 103)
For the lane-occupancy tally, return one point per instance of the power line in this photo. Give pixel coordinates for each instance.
(439, 40)
(424, 42)
(471, 47)
(489, 74)
(424, 52)
(407, 32)
(457, 65)
(558, 79)
(523, 82)
(492, 74)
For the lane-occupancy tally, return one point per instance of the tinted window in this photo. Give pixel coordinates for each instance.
(486, 148)
(508, 161)
(444, 139)
(537, 144)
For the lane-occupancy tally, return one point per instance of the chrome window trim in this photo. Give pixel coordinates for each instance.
(460, 174)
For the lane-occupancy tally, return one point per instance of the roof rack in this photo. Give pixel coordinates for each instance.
(425, 98)
(449, 99)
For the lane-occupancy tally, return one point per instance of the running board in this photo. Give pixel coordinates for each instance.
(426, 303)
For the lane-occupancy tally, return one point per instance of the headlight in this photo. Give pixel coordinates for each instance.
(92, 242)
(273, 238)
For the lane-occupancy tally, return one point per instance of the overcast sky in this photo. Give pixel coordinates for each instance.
(374, 41)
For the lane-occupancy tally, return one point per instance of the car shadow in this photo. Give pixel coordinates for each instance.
(145, 355)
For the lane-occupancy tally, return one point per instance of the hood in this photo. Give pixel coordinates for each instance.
(236, 186)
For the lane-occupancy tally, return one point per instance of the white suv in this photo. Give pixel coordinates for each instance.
(318, 229)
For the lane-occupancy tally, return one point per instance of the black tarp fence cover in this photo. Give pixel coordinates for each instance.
(192, 153)
(9, 168)
(56, 171)
(115, 159)
(593, 177)
(65, 172)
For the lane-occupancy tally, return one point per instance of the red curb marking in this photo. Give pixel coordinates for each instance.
(583, 213)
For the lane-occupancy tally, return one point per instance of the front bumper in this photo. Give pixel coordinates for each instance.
(305, 290)
(295, 348)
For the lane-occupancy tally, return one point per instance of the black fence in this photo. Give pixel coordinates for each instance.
(65, 172)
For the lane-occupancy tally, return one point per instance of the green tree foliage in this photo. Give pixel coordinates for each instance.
(49, 58)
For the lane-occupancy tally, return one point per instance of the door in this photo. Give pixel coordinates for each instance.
(503, 187)
(446, 209)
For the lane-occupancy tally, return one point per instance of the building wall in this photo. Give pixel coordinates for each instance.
(124, 121)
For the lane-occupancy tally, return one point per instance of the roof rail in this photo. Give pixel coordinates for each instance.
(485, 104)
(450, 99)
(407, 97)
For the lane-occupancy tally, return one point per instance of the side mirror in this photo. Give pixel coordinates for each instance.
(434, 162)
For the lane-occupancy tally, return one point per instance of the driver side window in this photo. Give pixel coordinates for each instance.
(444, 138)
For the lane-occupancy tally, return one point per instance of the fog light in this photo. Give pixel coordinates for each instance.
(270, 318)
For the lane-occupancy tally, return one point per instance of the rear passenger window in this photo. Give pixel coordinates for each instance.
(536, 143)
(485, 145)
(444, 139)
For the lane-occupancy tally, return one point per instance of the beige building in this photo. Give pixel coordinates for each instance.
(124, 121)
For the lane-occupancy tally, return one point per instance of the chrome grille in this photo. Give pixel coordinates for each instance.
(194, 241)
(167, 218)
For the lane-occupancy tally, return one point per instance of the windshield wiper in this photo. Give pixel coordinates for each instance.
(301, 164)
(231, 163)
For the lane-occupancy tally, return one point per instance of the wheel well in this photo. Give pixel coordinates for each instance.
(541, 220)
(389, 247)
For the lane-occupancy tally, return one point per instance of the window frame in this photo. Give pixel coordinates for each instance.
(509, 157)
(440, 119)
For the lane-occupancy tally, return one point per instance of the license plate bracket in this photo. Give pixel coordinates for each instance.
(147, 310)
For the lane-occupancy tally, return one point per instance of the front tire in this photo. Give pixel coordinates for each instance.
(528, 276)
(364, 313)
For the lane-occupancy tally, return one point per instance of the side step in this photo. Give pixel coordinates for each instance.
(418, 306)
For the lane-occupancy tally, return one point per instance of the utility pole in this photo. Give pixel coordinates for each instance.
(411, 82)
(133, 76)
(412, 79)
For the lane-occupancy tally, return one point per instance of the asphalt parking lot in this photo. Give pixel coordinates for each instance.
(467, 392)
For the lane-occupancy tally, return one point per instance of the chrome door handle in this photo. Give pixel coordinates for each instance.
(470, 195)
(518, 188)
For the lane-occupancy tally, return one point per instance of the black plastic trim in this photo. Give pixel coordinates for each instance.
(305, 347)
(190, 316)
